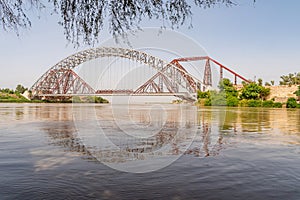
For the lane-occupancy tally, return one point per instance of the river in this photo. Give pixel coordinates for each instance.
(87, 151)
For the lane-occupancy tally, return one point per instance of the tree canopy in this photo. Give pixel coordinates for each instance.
(83, 20)
(254, 91)
(226, 86)
(20, 89)
(290, 79)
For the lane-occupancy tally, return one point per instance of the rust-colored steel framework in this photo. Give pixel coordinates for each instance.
(56, 78)
(207, 72)
(63, 81)
(152, 87)
(207, 79)
(171, 76)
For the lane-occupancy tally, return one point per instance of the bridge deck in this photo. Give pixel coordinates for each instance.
(115, 94)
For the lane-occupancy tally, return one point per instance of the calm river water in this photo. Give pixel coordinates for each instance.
(65, 151)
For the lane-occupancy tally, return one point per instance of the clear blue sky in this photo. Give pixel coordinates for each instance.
(261, 39)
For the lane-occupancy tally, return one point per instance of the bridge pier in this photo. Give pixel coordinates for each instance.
(235, 80)
(221, 73)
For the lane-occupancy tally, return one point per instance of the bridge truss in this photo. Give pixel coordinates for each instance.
(61, 80)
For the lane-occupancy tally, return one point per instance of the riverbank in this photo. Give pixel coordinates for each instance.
(244, 103)
(250, 95)
(18, 98)
(15, 98)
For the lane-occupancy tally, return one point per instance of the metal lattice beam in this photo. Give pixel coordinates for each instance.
(62, 81)
(56, 76)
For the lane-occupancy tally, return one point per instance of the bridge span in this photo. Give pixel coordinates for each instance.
(171, 78)
(183, 96)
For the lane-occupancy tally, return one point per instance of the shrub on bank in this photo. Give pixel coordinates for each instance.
(271, 104)
(203, 95)
(259, 103)
(243, 103)
(76, 99)
(291, 103)
(218, 99)
(268, 104)
(100, 100)
(207, 102)
(232, 101)
(89, 99)
(254, 103)
(277, 105)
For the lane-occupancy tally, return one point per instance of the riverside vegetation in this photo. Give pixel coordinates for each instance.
(251, 95)
(15, 96)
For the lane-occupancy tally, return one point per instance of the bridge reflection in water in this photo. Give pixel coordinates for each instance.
(250, 151)
(216, 128)
(146, 131)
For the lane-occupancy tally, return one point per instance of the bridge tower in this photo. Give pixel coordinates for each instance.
(207, 80)
(161, 83)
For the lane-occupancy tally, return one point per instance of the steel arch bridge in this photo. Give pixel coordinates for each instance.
(61, 81)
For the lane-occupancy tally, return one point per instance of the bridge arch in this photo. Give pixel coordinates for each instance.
(61, 79)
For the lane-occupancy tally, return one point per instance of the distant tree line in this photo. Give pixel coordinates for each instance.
(290, 79)
(9, 95)
(20, 89)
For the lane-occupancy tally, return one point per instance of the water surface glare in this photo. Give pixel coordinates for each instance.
(56, 151)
